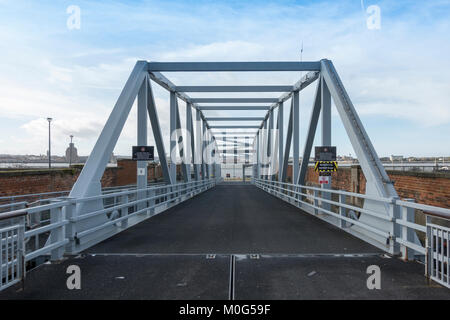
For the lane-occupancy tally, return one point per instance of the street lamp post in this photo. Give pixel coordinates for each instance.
(49, 144)
(70, 153)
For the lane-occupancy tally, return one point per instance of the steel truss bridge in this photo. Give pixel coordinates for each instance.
(200, 237)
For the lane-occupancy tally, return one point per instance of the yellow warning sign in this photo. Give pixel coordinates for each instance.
(326, 166)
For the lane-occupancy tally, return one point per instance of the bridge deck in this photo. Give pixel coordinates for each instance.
(165, 257)
(233, 219)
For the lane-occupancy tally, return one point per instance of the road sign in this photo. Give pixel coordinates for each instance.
(143, 153)
(325, 153)
(324, 179)
(326, 166)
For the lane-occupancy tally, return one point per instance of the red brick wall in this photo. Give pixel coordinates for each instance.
(16, 182)
(425, 187)
(428, 188)
(127, 173)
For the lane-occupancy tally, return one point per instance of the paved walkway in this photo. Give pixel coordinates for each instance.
(233, 218)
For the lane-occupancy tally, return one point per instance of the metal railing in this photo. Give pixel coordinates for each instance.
(401, 218)
(438, 252)
(11, 249)
(51, 230)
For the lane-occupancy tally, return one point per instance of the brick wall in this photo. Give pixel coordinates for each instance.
(16, 182)
(26, 181)
(128, 169)
(425, 187)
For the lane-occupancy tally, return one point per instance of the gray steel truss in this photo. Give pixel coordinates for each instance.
(266, 147)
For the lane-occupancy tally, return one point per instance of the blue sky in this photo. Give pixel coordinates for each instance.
(397, 77)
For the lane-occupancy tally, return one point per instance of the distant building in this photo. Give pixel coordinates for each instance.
(396, 158)
(72, 154)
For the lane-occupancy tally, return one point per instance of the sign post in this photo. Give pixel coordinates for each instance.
(326, 163)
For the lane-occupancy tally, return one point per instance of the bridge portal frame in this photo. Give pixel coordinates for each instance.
(329, 88)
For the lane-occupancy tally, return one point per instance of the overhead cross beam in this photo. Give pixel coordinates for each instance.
(233, 66)
(233, 100)
(234, 108)
(234, 127)
(262, 88)
(234, 119)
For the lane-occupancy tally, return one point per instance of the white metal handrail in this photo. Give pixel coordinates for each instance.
(11, 250)
(265, 183)
(402, 216)
(405, 218)
(54, 234)
(438, 253)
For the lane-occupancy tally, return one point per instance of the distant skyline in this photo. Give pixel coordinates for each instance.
(397, 76)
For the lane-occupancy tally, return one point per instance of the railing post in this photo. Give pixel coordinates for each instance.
(151, 202)
(316, 202)
(56, 234)
(428, 248)
(407, 233)
(342, 210)
(124, 211)
(395, 231)
(71, 231)
(21, 250)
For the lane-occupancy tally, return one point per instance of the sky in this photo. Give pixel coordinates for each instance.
(397, 75)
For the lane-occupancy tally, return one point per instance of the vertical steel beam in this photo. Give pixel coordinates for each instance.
(208, 151)
(311, 133)
(270, 145)
(258, 151)
(142, 134)
(157, 134)
(275, 154)
(247, 150)
(269, 134)
(225, 150)
(235, 150)
(173, 127)
(326, 129)
(296, 135)
(198, 151)
(287, 147)
(204, 173)
(280, 140)
(141, 179)
(264, 150)
(189, 149)
(181, 148)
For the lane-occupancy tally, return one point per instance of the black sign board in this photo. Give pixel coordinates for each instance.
(143, 153)
(326, 153)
